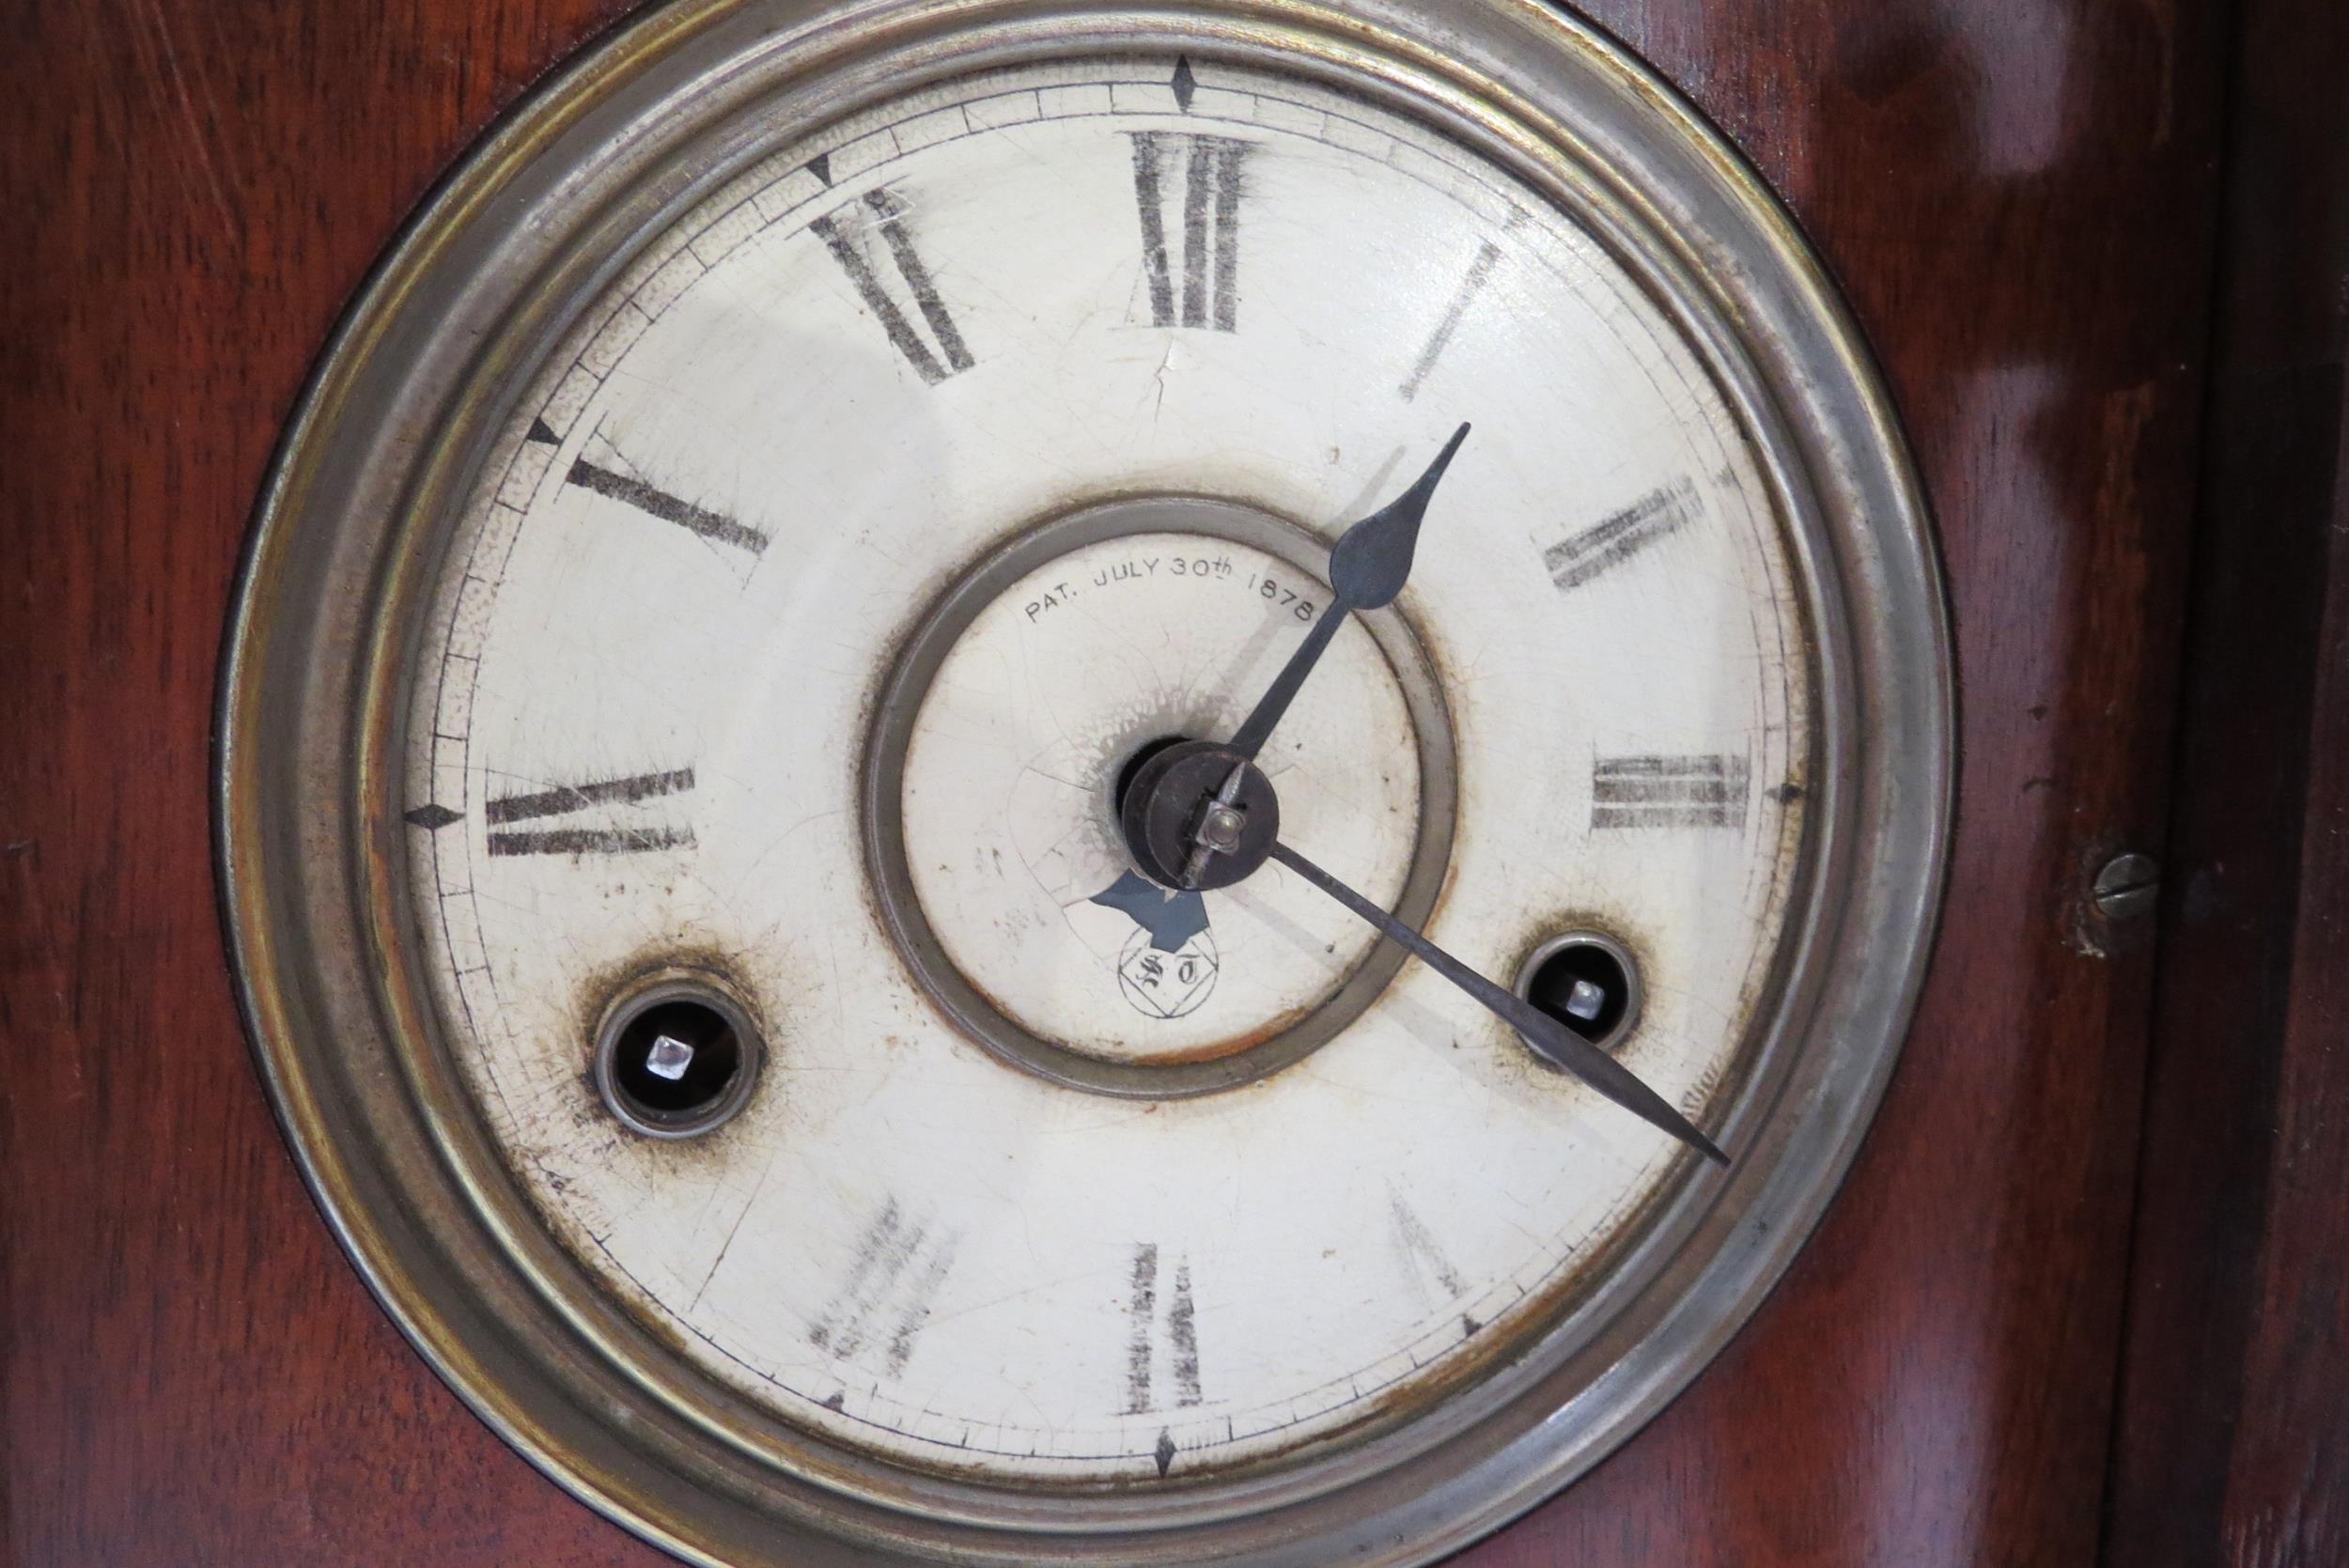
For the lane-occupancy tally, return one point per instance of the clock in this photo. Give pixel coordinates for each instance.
(1053, 783)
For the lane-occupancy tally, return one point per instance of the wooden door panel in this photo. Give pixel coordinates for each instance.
(2018, 196)
(2231, 1438)
(195, 1376)
(2016, 199)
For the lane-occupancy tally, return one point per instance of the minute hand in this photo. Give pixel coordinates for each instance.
(1368, 567)
(1553, 1040)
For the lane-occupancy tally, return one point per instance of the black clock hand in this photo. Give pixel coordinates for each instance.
(1368, 567)
(1553, 1040)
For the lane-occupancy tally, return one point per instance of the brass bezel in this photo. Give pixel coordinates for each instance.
(545, 211)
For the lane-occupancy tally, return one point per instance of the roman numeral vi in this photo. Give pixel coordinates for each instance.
(1181, 1345)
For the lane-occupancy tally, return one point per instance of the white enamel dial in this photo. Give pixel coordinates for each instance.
(646, 696)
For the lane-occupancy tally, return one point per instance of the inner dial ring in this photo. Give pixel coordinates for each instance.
(990, 970)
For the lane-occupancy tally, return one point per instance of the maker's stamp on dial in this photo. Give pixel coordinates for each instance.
(1168, 984)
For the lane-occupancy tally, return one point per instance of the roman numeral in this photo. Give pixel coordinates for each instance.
(1420, 1248)
(1180, 1341)
(882, 1308)
(1575, 560)
(569, 800)
(655, 501)
(844, 232)
(1209, 216)
(1422, 1257)
(1479, 273)
(1669, 792)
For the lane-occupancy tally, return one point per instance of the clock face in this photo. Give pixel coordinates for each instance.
(1021, 784)
(900, 499)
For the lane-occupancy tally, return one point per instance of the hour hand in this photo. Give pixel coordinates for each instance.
(1368, 568)
(1551, 1039)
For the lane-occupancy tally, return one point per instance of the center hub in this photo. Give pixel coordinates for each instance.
(1085, 898)
(1198, 817)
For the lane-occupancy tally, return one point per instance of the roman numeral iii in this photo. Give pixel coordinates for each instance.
(845, 232)
(1205, 221)
(1669, 792)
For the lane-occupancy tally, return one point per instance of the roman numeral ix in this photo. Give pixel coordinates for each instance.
(1669, 792)
(843, 230)
(1208, 219)
(571, 800)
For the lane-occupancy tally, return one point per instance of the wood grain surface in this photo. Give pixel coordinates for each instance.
(2019, 196)
(2231, 1444)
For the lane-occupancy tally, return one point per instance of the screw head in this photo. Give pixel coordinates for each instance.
(1222, 829)
(1168, 802)
(669, 1058)
(1588, 981)
(1586, 1001)
(2126, 886)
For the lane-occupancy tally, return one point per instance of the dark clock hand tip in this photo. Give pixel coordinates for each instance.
(1549, 1039)
(1426, 482)
(1612, 1079)
(1368, 568)
(1371, 560)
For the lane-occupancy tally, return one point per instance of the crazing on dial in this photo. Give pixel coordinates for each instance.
(959, 1223)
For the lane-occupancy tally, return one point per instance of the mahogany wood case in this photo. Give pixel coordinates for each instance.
(2031, 208)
